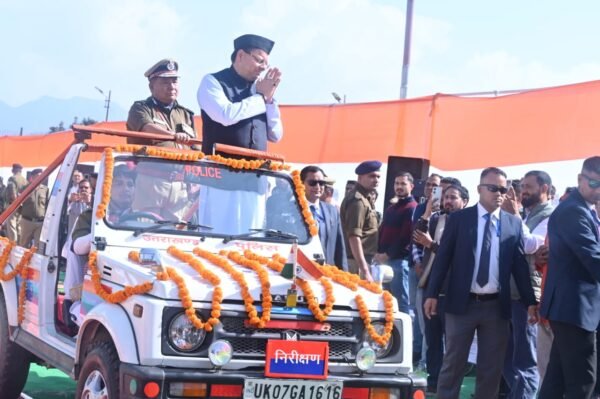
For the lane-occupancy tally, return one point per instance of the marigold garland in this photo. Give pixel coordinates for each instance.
(248, 164)
(188, 305)
(222, 263)
(119, 296)
(274, 263)
(22, 267)
(301, 194)
(349, 280)
(4, 261)
(313, 304)
(134, 256)
(109, 164)
(195, 264)
(363, 310)
(173, 155)
(263, 277)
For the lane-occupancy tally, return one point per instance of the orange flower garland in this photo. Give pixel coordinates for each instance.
(363, 310)
(4, 261)
(274, 264)
(134, 256)
(109, 164)
(239, 278)
(348, 280)
(173, 155)
(119, 296)
(301, 194)
(313, 304)
(248, 164)
(188, 305)
(263, 277)
(195, 264)
(22, 267)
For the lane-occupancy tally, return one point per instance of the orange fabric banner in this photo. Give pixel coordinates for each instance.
(454, 133)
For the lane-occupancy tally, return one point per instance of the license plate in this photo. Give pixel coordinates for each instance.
(291, 389)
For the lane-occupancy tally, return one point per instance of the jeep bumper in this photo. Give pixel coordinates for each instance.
(134, 378)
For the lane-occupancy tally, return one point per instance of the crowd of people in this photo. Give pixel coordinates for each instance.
(514, 272)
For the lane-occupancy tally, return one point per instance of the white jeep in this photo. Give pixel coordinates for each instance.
(204, 279)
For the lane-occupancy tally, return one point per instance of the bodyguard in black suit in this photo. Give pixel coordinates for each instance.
(480, 249)
(327, 217)
(571, 298)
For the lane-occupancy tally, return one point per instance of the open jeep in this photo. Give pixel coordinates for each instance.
(199, 282)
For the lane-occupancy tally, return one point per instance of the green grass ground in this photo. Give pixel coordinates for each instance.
(44, 383)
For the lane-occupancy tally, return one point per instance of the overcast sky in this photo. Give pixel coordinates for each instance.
(63, 48)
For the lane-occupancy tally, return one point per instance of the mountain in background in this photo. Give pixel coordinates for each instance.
(38, 116)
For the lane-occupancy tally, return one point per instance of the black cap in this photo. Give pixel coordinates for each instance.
(36, 171)
(367, 167)
(17, 166)
(166, 68)
(253, 41)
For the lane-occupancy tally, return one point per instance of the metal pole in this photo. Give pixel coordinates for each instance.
(107, 105)
(407, 39)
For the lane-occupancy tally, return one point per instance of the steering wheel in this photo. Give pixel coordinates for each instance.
(140, 216)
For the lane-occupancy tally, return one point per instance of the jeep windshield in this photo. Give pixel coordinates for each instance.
(202, 199)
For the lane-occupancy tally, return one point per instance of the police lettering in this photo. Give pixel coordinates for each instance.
(203, 171)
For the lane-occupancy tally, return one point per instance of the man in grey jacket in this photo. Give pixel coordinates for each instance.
(520, 366)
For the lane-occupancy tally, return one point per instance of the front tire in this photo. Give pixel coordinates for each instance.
(14, 360)
(99, 377)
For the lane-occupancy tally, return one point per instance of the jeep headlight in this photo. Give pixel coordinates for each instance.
(380, 351)
(183, 336)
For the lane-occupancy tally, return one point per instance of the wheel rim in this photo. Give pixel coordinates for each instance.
(95, 386)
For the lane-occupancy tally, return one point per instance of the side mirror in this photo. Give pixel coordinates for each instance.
(382, 273)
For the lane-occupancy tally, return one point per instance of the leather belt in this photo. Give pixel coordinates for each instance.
(483, 297)
(36, 220)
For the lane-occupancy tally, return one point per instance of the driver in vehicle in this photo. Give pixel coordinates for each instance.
(78, 246)
(122, 193)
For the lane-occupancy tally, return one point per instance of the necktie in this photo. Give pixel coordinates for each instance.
(483, 274)
(313, 210)
(596, 219)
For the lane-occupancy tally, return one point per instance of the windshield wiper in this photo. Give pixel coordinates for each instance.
(271, 233)
(162, 223)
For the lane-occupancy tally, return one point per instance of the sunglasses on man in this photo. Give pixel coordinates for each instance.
(492, 188)
(593, 183)
(313, 183)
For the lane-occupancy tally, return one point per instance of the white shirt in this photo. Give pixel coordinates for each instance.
(532, 240)
(493, 285)
(214, 102)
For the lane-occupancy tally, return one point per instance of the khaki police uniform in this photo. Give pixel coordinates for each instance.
(32, 216)
(359, 218)
(159, 190)
(14, 186)
(176, 119)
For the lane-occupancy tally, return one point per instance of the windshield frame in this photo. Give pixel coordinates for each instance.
(203, 234)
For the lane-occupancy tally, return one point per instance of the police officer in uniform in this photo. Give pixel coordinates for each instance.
(237, 103)
(32, 213)
(161, 113)
(359, 219)
(16, 183)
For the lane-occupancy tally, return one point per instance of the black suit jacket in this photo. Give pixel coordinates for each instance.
(332, 238)
(455, 258)
(572, 291)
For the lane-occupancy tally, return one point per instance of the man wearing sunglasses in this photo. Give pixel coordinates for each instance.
(326, 216)
(237, 103)
(571, 300)
(480, 249)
